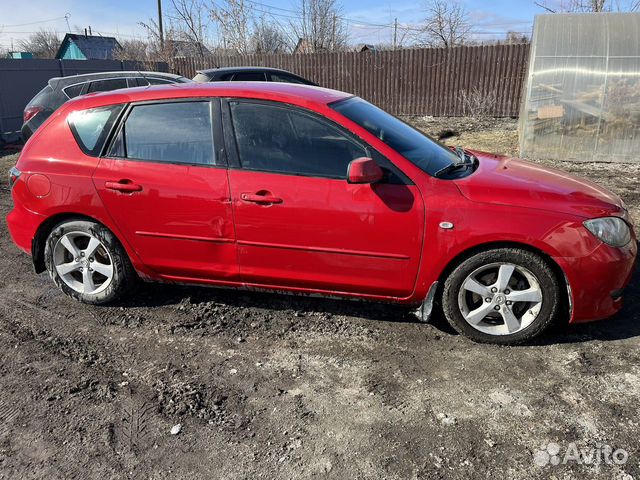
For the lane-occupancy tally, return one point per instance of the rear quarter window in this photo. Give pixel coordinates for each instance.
(74, 90)
(91, 127)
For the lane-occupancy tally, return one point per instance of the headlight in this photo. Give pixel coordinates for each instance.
(611, 230)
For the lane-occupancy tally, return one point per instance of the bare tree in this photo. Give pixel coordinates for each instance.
(516, 38)
(157, 49)
(590, 6)
(267, 37)
(190, 21)
(132, 50)
(43, 44)
(234, 18)
(319, 25)
(447, 24)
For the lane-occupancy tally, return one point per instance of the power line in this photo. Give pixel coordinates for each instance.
(35, 23)
(362, 22)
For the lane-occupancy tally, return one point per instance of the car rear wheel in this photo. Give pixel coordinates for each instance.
(88, 263)
(505, 296)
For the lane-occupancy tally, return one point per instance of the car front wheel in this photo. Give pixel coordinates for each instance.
(88, 263)
(505, 296)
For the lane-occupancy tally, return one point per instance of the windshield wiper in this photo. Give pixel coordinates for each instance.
(465, 161)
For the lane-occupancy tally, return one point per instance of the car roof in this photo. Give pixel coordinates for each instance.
(243, 69)
(61, 82)
(304, 95)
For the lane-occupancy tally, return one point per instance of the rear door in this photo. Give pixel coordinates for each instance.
(166, 187)
(299, 223)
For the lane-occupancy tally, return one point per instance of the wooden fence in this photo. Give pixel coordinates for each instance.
(428, 81)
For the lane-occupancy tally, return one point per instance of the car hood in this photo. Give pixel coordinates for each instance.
(514, 182)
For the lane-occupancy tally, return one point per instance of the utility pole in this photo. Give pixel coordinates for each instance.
(395, 33)
(333, 33)
(160, 31)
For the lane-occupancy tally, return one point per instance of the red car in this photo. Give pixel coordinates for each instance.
(303, 189)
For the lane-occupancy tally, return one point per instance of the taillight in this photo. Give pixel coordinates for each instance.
(14, 175)
(30, 112)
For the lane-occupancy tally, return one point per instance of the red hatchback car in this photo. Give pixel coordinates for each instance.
(303, 189)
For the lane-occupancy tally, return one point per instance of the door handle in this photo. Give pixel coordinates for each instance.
(260, 198)
(123, 186)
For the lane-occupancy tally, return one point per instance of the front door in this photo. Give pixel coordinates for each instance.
(168, 193)
(299, 224)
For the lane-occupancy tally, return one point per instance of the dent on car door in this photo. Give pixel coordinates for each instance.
(299, 223)
(166, 187)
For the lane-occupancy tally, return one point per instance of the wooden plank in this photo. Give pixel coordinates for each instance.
(404, 81)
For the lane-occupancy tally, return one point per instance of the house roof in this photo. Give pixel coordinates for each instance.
(91, 46)
(364, 47)
(185, 48)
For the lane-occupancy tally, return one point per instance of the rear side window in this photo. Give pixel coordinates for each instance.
(146, 81)
(249, 77)
(91, 127)
(176, 132)
(107, 85)
(281, 77)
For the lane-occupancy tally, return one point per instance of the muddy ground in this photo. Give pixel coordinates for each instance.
(271, 386)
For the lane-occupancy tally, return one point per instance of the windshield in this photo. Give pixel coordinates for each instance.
(424, 152)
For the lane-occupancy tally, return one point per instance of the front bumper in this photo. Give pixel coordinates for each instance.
(596, 280)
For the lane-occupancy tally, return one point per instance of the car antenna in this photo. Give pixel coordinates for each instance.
(142, 75)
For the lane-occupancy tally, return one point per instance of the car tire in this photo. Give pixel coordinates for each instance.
(504, 296)
(88, 263)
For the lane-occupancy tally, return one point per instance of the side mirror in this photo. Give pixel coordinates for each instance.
(363, 170)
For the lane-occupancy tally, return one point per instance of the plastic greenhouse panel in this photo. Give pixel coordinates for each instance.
(582, 97)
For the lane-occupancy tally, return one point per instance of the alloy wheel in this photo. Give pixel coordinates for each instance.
(83, 262)
(500, 298)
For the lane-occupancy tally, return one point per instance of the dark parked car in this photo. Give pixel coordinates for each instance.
(249, 74)
(61, 89)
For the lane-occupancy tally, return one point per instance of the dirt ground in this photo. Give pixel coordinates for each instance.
(271, 386)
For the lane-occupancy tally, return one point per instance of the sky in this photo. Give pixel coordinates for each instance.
(368, 20)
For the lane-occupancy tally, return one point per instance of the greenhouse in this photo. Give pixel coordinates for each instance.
(582, 98)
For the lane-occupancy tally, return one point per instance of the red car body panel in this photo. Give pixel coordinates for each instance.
(180, 223)
(380, 241)
(508, 181)
(328, 234)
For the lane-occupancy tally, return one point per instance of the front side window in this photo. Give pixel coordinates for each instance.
(176, 132)
(424, 152)
(91, 127)
(285, 140)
